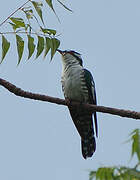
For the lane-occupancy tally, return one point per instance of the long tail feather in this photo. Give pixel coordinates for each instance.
(83, 122)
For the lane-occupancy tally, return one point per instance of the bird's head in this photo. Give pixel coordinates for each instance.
(70, 56)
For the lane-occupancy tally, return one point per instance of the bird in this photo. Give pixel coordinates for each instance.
(78, 85)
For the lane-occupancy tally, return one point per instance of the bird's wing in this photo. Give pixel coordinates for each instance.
(92, 94)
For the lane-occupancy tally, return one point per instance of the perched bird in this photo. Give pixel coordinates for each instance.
(78, 85)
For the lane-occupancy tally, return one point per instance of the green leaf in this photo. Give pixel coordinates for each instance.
(115, 173)
(20, 47)
(92, 175)
(49, 2)
(31, 46)
(28, 28)
(100, 174)
(48, 31)
(126, 173)
(47, 46)
(5, 47)
(104, 173)
(54, 45)
(29, 13)
(14, 26)
(65, 6)
(40, 46)
(135, 137)
(37, 6)
(18, 22)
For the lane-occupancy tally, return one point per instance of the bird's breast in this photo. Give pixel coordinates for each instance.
(74, 85)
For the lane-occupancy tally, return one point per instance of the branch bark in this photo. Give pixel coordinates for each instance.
(92, 108)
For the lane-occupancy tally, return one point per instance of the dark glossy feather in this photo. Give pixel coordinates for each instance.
(83, 122)
(83, 119)
(92, 94)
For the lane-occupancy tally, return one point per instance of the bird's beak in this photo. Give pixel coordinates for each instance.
(61, 52)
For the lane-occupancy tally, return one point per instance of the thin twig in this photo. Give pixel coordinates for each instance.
(92, 108)
(14, 12)
(23, 32)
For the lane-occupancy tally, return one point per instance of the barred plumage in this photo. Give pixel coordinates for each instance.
(78, 85)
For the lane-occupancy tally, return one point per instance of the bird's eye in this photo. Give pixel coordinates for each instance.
(65, 52)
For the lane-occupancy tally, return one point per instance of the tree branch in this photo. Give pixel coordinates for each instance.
(92, 108)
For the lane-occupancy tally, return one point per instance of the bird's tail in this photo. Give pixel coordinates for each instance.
(83, 122)
(88, 145)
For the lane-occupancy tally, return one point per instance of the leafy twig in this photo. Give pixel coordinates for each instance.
(14, 12)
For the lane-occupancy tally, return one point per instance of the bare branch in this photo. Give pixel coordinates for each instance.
(92, 108)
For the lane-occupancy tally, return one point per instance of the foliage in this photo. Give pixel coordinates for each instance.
(121, 172)
(32, 15)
